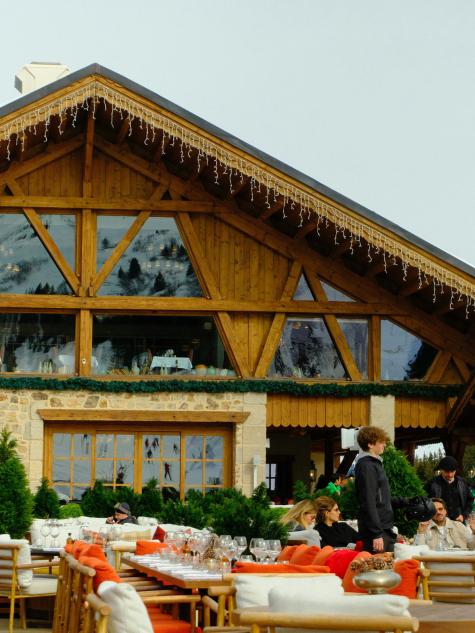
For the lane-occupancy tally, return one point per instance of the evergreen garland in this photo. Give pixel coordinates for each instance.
(290, 387)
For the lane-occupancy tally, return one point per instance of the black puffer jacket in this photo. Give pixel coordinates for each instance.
(374, 496)
(435, 488)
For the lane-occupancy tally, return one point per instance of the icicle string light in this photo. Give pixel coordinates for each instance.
(95, 93)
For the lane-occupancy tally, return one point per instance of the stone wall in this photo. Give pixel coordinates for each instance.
(19, 413)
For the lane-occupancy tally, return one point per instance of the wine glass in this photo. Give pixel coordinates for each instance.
(54, 531)
(241, 543)
(45, 532)
(273, 549)
(258, 548)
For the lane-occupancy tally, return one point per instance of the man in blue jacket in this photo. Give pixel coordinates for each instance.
(375, 516)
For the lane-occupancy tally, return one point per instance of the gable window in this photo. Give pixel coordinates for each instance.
(404, 356)
(306, 350)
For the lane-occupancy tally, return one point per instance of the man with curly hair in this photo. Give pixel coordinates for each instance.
(375, 515)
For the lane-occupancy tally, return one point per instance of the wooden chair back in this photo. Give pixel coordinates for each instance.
(96, 615)
(448, 578)
(80, 586)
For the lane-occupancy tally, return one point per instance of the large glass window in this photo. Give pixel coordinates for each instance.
(155, 264)
(25, 265)
(37, 343)
(158, 345)
(356, 334)
(403, 355)
(179, 460)
(306, 350)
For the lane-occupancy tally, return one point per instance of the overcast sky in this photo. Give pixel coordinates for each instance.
(373, 98)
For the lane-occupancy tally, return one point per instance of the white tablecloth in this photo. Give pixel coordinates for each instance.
(178, 362)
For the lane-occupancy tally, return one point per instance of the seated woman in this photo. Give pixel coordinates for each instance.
(301, 520)
(333, 531)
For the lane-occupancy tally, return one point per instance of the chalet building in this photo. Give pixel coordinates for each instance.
(175, 304)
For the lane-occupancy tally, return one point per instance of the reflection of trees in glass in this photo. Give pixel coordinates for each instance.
(306, 350)
(420, 362)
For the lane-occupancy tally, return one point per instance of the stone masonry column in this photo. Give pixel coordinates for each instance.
(382, 413)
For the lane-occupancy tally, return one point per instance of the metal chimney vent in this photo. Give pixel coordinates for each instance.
(38, 74)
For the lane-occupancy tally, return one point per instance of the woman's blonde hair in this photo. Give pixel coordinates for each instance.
(296, 513)
(324, 505)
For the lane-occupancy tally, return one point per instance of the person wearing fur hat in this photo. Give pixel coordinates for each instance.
(454, 490)
(121, 514)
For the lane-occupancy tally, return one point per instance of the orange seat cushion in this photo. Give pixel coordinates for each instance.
(148, 547)
(103, 569)
(304, 555)
(339, 560)
(94, 551)
(286, 553)
(171, 626)
(350, 574)
(321, 556)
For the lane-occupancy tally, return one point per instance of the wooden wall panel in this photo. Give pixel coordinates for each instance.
(285, 410)
(243, 268)
(62, 177)
(252, 330)
(451, 375)
(420, 413)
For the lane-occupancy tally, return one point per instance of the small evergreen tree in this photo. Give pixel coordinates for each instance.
(150, 502)
(16, 501)
(70, 511)
(46, 502)
(188, 513)
(98, 501)
(426, 466)
(300, 491)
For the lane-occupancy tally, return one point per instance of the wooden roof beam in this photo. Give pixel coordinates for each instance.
(462, 401)
(52, 153)
(123, 131)
(275, 207)
(304, 230)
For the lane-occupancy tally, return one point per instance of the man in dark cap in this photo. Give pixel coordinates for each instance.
(454, 490)
(122, 514)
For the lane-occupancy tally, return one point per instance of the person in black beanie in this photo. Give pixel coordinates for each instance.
(454, 490)
(122, 514)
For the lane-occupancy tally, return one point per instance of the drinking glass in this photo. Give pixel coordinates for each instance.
(258, 548)
(104, 535)
(273, 549)
(45, 532)
(54, 531)
(241, 542)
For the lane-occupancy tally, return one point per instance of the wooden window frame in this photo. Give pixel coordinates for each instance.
(140, 422)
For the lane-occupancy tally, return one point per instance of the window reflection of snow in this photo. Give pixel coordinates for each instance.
(214, 447)
(403, 355)
(306, 351)
(194, 447)
(193, 472)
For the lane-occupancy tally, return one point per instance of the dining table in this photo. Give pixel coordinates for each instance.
(182, 576)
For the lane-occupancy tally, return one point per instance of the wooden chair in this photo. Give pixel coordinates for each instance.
(96, 615)
(41, 586)
(258, 620)
(448, 578)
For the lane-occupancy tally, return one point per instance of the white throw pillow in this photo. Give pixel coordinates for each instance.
(25, 576)
(128, 612)
(402, 551)
(252, 590)
(290, 601)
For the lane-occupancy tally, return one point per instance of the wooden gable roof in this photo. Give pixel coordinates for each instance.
(431, 292)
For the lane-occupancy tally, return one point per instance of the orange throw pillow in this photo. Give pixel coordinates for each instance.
(339, 560)
(408, 570)
(322, 555)
(347, 583)
(142, 548)
(103, 569)
(286, 553)
(78, 547)
(93, 550)
(304, 555)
